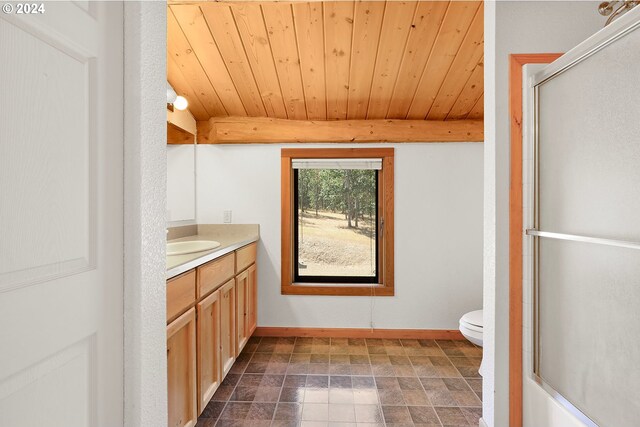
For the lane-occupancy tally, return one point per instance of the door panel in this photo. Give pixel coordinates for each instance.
(209, 371)
(181, 370)
(227, 326)
(589, 154)
(61, 204)
(252, 317)
(242, 294)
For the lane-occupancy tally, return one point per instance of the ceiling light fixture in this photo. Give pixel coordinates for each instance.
(180, 103)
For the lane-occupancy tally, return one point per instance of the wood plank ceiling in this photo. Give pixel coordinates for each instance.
(328, 60)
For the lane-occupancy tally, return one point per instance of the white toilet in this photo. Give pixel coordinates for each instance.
(471, 328)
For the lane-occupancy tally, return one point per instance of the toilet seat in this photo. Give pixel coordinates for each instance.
(470, 326)
(473, 318)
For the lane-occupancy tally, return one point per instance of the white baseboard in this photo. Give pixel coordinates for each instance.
(481, 423)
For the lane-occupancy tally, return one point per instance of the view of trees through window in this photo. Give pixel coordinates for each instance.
(336, 223)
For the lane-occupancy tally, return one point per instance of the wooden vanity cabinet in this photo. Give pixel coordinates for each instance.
(227, 326)
(215, 312)
(181, 370)
(208, 348)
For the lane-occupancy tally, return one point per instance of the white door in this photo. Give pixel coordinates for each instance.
(61, 215)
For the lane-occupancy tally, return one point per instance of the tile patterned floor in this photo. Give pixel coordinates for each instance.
(284, 382)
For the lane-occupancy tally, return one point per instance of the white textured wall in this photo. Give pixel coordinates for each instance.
(513, 27)
(145, 207)
(181, 183)
(438, 235)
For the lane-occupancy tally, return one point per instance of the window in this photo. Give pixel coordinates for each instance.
(337, 221)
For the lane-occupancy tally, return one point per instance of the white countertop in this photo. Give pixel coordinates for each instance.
(230, 236)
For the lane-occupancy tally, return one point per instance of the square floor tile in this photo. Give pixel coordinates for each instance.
(385, 383)
(361, 370)
(423, 415)
(341, 395)
(368, 414)
(267, 394)
(415, 397)
(363, 382)
(365, 396)
(319, 358)
(261, 411)
(341, 369)
(316, 395)
(292, 394)
(340, 381)
(441, 398)
(396, 414)
(466, 398)
(235, 411)
(288, 411)
(341, 413)
(295, 380)
(213, 410)
(451, 416)
(244, 394)
(315, 412)
(318, 381)
(391, 397)
(407, 383)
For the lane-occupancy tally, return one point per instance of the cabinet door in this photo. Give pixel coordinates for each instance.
(227, 326)
(181, 370)
(252, 317)
(242, 296)
(208, 355)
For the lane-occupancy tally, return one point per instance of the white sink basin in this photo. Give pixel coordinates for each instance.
(191, 246)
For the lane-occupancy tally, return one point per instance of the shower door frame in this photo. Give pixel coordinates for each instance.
(516, 229)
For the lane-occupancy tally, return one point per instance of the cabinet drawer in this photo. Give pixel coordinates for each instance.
(181, 293)
(246, 256)
(215, 273)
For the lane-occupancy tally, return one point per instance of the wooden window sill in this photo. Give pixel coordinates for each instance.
(350, 290)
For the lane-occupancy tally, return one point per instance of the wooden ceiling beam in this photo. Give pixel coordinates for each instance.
(262, 130)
